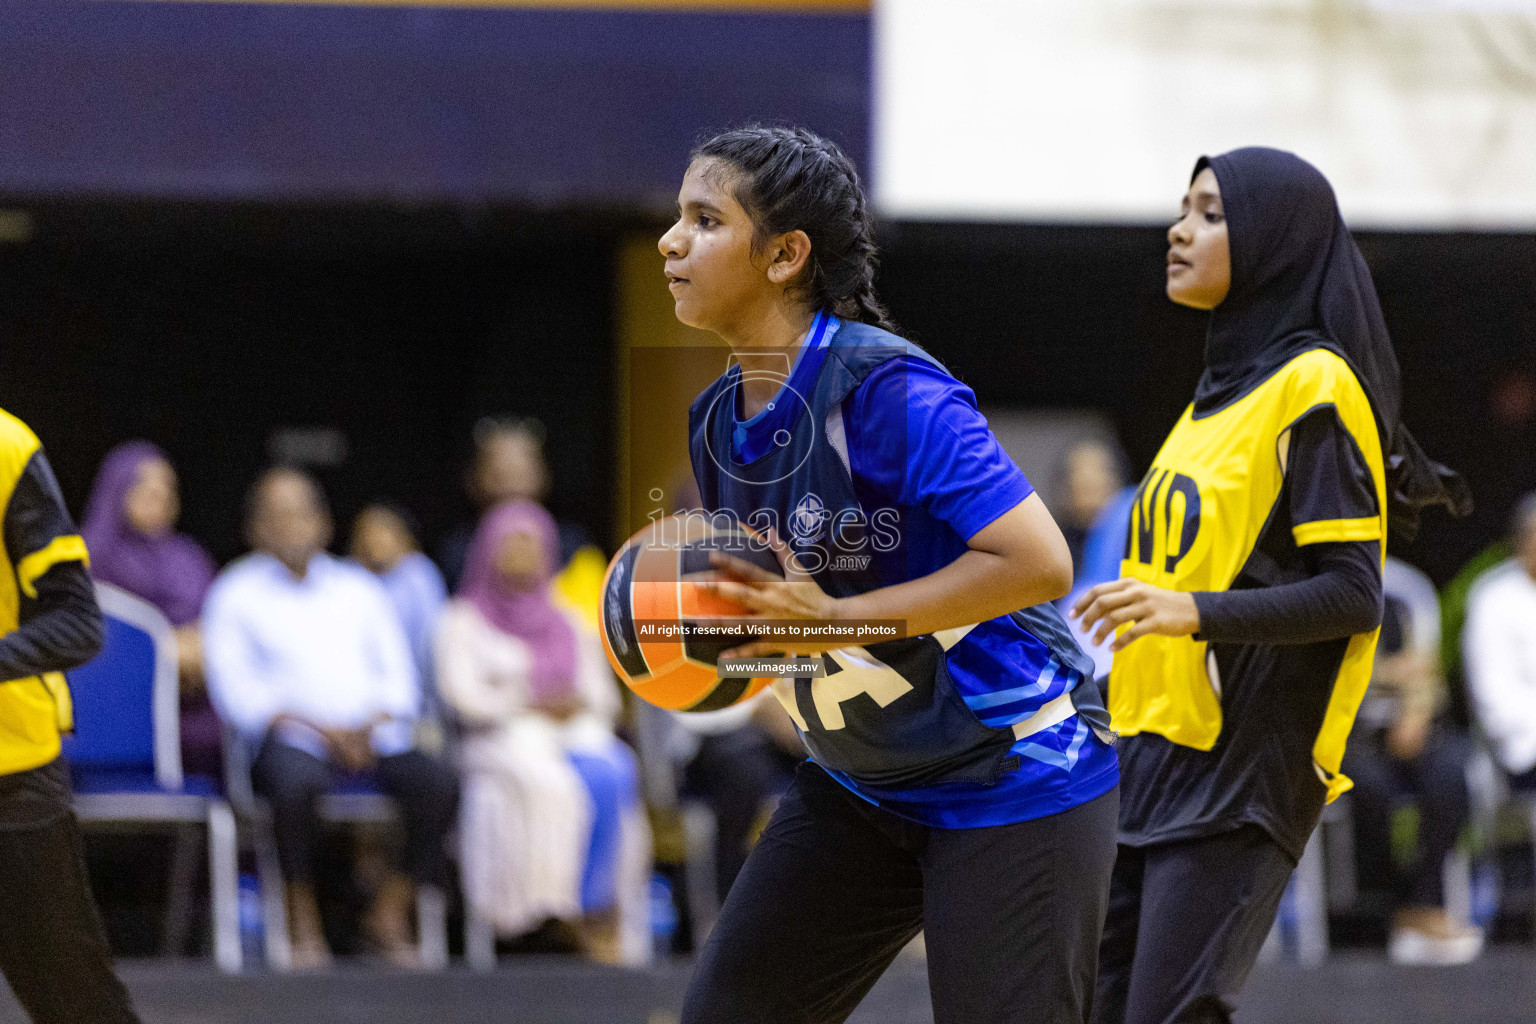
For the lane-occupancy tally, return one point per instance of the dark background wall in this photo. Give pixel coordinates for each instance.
(206, 328)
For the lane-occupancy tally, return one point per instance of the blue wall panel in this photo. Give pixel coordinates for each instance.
(288, 102)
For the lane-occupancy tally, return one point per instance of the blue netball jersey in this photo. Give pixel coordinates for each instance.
(876, 467)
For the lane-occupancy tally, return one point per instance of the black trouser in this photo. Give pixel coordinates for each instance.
(52, 947)
(836, 887)
(293, 780)
(1437, 781)
(735, 772)
(1186, 922)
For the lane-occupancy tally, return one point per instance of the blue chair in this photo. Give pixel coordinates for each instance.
(126, 758)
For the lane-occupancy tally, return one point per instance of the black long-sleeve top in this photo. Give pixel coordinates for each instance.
(59, 627)
(1343, 598)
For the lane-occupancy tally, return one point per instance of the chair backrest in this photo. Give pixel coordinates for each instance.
(126, 699)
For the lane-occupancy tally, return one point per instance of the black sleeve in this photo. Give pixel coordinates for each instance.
(1342, 599)
(61, 630)
(1327, 480)
(1331, 505)
(60, 625)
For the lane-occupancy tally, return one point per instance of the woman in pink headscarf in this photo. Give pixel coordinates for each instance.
(551, 822)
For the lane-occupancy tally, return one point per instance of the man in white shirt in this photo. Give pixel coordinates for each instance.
(307, 660)
(1499, 651)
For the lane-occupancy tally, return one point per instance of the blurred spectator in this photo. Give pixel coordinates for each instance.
(307, 659)
(552, 828)
(1453, 617)
(1398, 749)
(1096, 514)
(384, 541)
(737, 758)
(1092, 474)
(508, 465)
(1499, 652)
(129, 528)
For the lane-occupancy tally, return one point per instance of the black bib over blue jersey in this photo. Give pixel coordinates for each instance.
(893, 718)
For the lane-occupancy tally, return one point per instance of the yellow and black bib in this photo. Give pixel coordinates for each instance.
(1199, 517)
(37, 535)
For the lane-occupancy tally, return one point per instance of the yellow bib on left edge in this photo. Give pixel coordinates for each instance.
(1198, 516)
(33, 710)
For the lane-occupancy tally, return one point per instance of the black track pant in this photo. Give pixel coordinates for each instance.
(52, 948)
(836, 887)
(1437, 781)
(425, 788)
(1186, 921)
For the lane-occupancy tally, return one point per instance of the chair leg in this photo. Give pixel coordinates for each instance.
(1456, 878)
(432, 927)
(699, 870)
(224, 886)
(479, 940)
(1339, 851)
(178, 905)
(1311, 905)
(1530, 810)
(1274, 944)
(274, 903)
(636, 943)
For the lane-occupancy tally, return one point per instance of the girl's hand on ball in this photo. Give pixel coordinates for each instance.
(795, 595)
(1152, 610)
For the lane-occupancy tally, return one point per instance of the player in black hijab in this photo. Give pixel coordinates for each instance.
(1251, 599)
(1299, 283)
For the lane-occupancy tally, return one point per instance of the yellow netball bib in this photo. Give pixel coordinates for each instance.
(1201, 511)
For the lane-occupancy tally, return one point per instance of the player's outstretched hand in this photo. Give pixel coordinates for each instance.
(1149, 609)
(795, 595)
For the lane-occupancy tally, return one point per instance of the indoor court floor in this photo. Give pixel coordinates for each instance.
(1351, 988)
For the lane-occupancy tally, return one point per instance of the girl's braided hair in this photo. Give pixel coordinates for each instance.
(791, 179)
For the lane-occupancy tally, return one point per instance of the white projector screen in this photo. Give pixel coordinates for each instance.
(1422, 114)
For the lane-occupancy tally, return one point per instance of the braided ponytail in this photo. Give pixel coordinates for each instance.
(793, 179)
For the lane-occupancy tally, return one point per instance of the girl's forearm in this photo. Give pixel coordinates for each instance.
(975, 587)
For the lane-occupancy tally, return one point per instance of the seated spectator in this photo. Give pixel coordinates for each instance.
(553, 830)
(384, 541)
(130, 523)
(1398, 749)
(1499, 652)
(307, 659)
(509, 465)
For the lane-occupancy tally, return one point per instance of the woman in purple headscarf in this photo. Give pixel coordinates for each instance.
(129, 529)
(551, 821)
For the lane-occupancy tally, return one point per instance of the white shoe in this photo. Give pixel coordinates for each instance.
(1458, 944)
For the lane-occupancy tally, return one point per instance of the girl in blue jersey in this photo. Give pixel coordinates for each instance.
(960, 779)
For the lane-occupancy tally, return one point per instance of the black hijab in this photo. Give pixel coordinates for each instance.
(1299, 283)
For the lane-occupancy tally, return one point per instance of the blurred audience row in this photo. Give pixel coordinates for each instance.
(492, 715)
(338, 671)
